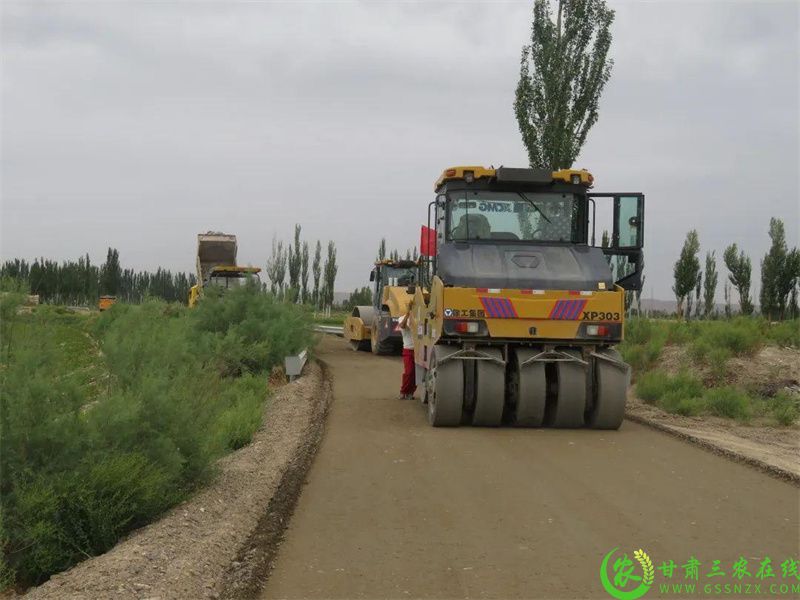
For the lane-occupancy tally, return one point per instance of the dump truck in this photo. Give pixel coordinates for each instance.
(375, 327)
(524, 308)
(216, 264)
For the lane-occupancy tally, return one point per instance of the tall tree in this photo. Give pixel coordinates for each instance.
(382, 249)
(710, 285)
(727, 292)
(686, 269)
(779, 272)
(738, 263)
(789, 280)
(316, 271)
(562, 74)
(111, 273)
(329, 275)
(276, 267)
(304, 274)
(697, 290)
(294, 258)
(773, 265)
(359, 297)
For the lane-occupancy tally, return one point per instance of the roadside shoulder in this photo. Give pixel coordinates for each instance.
(773, 450)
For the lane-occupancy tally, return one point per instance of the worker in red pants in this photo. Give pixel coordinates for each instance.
(408, 384)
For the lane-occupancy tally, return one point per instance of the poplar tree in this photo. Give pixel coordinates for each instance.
(562, 74)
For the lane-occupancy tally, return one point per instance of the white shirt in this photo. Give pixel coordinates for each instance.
(408, 339)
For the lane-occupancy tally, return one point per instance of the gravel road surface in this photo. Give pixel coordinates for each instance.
(396, 509)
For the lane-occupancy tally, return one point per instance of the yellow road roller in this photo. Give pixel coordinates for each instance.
(375, 327)
(523, 308)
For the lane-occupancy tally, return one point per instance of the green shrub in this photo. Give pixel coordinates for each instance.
(681, 332)
(242, 416)
(639, 330)
(742, 336)
(729, 402)
(97, 443)
(785, 333)
(644, 341)
(675, 402)
(785, 407)
(652, 386)
(717, 359)
(656, 384)
(700, 349)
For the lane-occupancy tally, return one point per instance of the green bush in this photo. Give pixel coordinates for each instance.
(681, 332)
(644, 341)
(653, 386)
(742, 336)
(675, 402)
(785, 408)
(640, 331)
(103, 432)
(717, 359)
(729, 402)
(785, 333)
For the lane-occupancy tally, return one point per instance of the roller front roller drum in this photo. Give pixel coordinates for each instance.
(445, 389)
(528, 389)
(570, 398)
(489, 388)
(610, 390)
(555, 393)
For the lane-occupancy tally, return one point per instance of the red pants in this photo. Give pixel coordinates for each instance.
(408, 385)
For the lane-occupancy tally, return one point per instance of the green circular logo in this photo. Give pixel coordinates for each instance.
(626, 583)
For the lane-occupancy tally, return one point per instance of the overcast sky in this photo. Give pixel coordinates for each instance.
(138, 125)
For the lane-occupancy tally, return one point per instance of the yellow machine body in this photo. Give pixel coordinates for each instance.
(106, 302)
(521, 316)
(375, 327)
(525, 307)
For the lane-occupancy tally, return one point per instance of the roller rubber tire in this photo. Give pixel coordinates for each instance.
(610, 393)
(489, 390)
(446, 391)
(570, 405)
(530, 389)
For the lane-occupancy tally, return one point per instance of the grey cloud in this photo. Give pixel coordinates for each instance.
(138, 125)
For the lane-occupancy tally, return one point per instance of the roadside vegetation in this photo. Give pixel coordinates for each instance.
(709, 367)
(108, 420)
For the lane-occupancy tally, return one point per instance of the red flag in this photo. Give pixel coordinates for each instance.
(427, 242)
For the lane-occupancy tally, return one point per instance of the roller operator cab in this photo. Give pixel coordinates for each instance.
(525, 305)
(376, 327)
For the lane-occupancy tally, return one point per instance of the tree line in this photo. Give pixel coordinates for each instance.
(293, 259)
(780, 278)
(310, 280)
(79, 282)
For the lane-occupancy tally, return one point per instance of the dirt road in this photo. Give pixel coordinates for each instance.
(395, 508)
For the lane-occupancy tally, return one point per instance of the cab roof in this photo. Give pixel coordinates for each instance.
(527, 175)
(388, 262)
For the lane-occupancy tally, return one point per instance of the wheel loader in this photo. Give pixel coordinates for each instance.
(524, 308)
(216, 265)
(376, 327)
